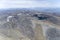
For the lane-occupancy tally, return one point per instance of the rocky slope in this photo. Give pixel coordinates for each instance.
(38, 26)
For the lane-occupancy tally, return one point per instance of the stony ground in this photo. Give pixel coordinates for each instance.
(22, 27)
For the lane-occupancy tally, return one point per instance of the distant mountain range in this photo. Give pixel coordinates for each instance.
(39, 9)
(48, 9)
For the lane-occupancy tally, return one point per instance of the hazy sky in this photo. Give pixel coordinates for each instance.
(29, 3)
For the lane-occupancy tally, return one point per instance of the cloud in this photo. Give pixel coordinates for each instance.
(28, 3)
(17, 4)
(21, 4)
